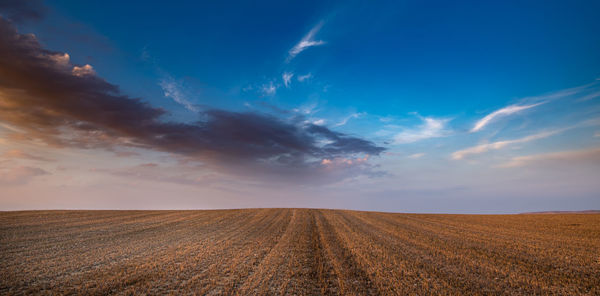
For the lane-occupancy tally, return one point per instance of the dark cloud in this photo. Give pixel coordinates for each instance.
(22, 10)
(47, 98)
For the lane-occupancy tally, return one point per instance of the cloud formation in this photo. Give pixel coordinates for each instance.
(301, 78)
(15, 153)
(589, 96)
(580, 93)
(287, 78)
(416, 155)
(20, 175)
(306, 42)
(482, 148)
(431, 128)
(347, 118)
(502, 144)
(269, 89)
(501, 113)
(41, 98)
(587, 156)
(172, 89)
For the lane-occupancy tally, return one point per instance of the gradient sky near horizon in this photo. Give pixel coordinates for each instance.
(404, 106)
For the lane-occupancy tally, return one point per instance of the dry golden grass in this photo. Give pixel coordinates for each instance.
(297, 251)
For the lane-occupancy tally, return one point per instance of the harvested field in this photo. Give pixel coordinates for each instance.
(297, 251)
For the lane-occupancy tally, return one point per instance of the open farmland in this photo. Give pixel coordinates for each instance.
(297, 251)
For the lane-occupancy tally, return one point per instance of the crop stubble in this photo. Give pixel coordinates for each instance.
(297, 251)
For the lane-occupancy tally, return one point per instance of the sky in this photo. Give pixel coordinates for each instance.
(399, 106)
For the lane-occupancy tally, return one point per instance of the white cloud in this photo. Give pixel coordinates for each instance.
(386, 119)
(287, 78)
(346, 119)
(597, 135)
(501, 144)
(587, 91)
(559, 94)
(306, 42)
(591, 155)
(319, 122)
(301, 78)
(431, 128)
(589, 96)
(172, 89)
(307, 109)
(416, 155)
(501, 113)
(269, 89)
(460, 154)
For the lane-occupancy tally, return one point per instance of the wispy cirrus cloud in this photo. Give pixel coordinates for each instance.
(573, 92)
(580, 93)
(301, 78)
(287, 78)
(306, 42)
(416, 155)
(174, 90)
(171, 87)
(431, 128)
(508, 110)
(587, 156)
(482, 148)
(590, 96)
(307, 109)
(351, 116)
(268, 89)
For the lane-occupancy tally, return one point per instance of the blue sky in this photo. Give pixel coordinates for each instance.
(433, 106)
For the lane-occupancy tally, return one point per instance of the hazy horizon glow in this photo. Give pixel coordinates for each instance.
(403, 107)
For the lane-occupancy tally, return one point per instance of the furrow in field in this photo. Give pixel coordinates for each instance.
(297, 252)
(112, 251)
(208, 263)
(437, 261)
(352, 278)
(402, 269)
(488, 261)
(295, 266)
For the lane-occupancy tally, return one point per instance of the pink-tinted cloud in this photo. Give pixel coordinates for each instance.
(20, 175)
(584, 156)
(15, 153)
